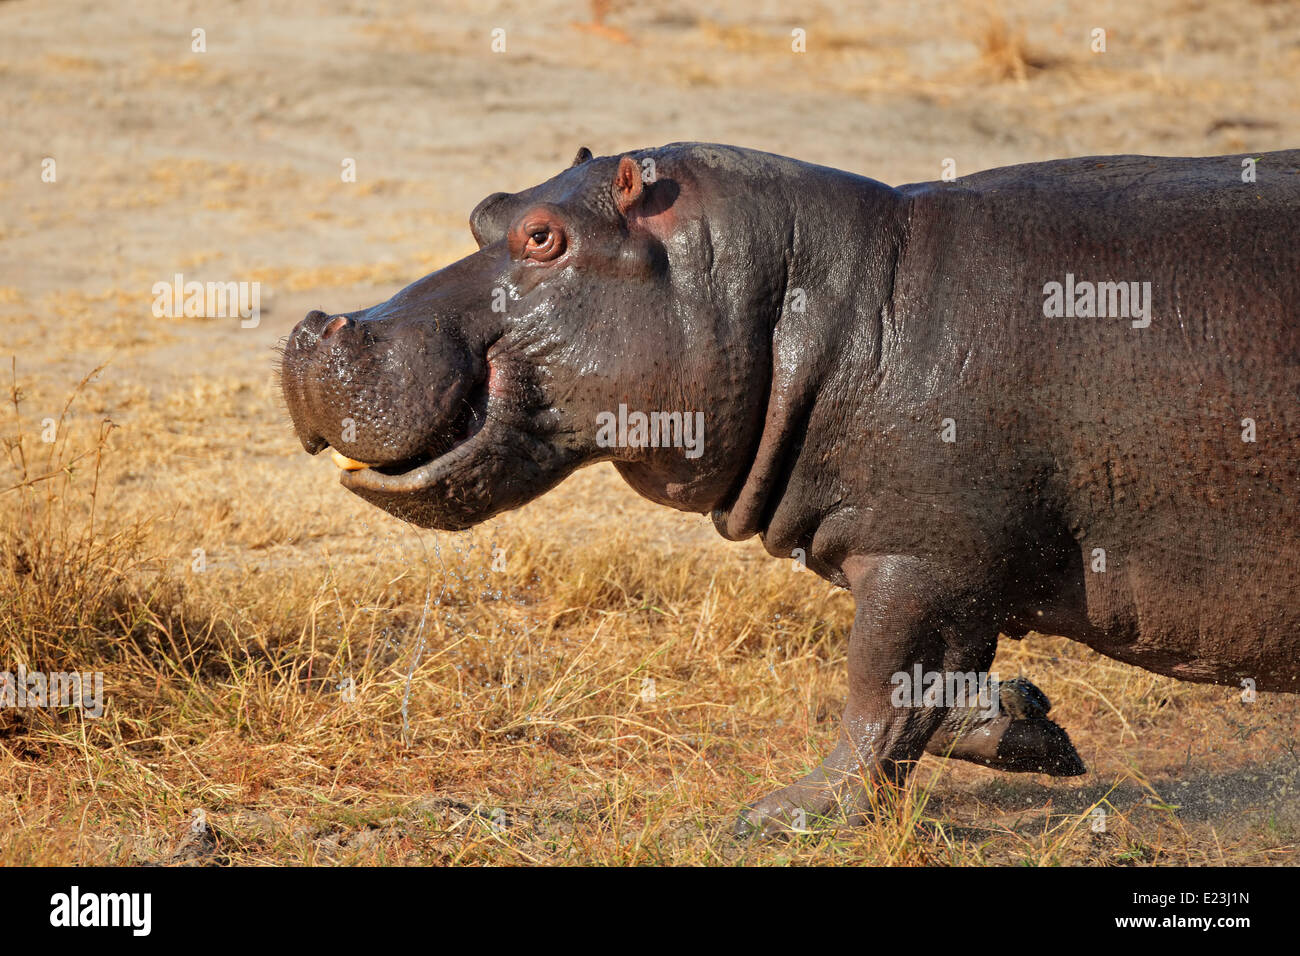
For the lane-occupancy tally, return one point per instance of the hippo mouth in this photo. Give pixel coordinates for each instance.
(464, 434)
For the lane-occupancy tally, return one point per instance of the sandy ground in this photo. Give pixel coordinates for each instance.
(225, 165)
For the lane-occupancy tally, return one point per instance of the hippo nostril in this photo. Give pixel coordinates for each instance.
(338, 322)
(307, 333)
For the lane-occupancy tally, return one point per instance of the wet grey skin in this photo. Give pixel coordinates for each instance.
(887, 391)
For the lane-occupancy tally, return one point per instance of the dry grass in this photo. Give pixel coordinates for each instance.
(1004, 54)
(501, 716)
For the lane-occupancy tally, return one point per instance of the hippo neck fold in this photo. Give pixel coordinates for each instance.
(838, 300)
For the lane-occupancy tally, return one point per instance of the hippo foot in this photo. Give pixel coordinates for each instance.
(1018, 738)
(1037, 745)
(811, 805)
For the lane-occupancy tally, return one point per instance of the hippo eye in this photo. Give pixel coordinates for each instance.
(543, 240)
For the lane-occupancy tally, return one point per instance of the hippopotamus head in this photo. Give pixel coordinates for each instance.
(643, 284)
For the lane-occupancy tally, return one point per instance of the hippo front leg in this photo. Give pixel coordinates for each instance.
(904, 617)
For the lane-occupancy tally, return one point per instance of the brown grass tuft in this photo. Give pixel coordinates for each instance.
(1003, 52)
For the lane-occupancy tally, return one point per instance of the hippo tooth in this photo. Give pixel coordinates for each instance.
(346, 463)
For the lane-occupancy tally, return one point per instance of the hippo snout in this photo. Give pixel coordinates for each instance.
(386, 391)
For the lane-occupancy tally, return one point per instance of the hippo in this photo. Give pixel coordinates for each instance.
(1061, 397)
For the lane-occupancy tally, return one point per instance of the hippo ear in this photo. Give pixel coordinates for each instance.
(584, 154)
(489, 219)
(627, 184)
